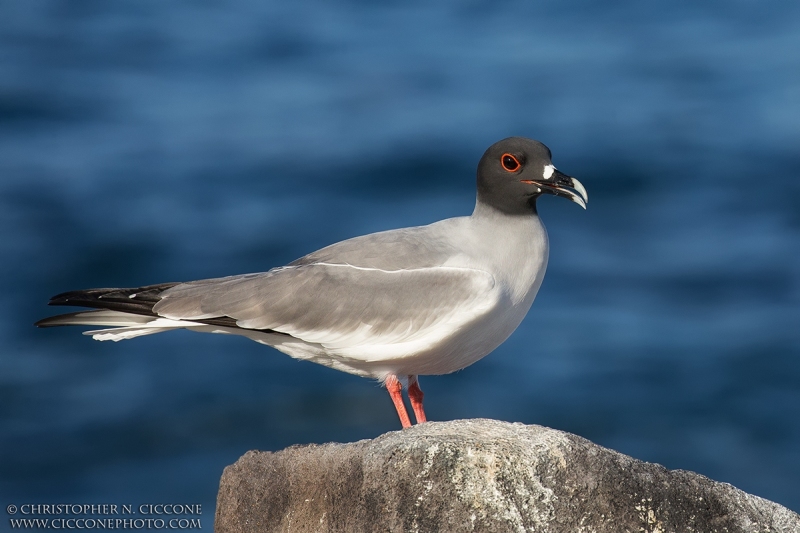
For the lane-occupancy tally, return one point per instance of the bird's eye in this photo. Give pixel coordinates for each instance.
(509, 162)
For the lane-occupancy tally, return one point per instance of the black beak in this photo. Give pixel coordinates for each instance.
(562, 185)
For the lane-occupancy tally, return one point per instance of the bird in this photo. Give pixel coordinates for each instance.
(392, 305)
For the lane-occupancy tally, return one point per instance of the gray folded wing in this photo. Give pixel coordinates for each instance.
(341, 306)
(407, 248)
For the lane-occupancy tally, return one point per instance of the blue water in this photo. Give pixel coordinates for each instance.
(149, 141)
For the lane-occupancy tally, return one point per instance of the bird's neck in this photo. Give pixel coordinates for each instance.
(485, 210)
(515, 245)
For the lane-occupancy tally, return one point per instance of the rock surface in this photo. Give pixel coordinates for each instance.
(479, 475)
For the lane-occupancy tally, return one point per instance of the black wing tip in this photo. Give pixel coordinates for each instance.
(82, 297)
(76, 297)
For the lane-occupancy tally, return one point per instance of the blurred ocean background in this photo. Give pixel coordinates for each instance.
(144, 141)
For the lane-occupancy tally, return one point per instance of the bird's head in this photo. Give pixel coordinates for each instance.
(515, 171)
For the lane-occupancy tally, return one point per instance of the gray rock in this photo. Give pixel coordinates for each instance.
(479, 475)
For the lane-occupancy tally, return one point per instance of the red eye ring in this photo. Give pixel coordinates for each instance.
(509, 162)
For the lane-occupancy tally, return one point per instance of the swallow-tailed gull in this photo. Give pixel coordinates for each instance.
(391, 305)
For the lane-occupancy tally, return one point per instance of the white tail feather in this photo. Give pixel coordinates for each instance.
(98, 318)
(121, 334)
(128, 326)
(123, 325)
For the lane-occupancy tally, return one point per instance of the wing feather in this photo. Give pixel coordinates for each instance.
(341, 306)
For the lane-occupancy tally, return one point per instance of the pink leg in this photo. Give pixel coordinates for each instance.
(415, 395)
(395, 389)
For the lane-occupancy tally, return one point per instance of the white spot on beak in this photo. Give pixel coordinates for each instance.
(548, 171)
